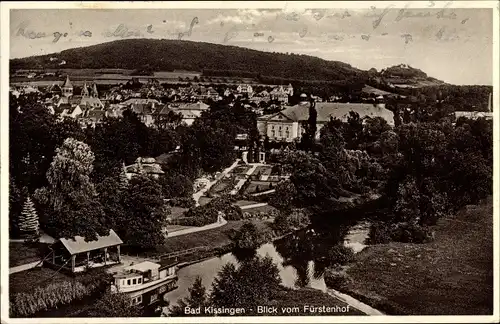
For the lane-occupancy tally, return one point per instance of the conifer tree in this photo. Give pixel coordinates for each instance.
(28, 220)
(123, 178)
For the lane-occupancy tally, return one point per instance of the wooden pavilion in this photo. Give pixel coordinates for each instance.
(85, 255)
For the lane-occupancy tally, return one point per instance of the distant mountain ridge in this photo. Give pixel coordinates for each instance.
(169, 55)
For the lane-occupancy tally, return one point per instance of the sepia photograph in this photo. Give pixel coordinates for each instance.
(283, 161)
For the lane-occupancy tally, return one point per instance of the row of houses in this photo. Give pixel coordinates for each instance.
(90, 110)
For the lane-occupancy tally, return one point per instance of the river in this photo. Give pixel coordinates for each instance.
(297, 256)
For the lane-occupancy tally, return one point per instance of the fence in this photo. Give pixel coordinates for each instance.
(184, 252)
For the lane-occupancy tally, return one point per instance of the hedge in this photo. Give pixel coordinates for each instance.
(183, 202)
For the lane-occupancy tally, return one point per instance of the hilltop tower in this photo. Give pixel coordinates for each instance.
(67, 88)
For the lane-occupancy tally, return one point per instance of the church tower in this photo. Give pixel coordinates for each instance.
(67, 88)
(95, 94)
(85, 90)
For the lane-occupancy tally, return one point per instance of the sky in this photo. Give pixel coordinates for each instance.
(453, 45)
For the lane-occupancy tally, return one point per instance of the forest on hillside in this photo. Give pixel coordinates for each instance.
(169, 55)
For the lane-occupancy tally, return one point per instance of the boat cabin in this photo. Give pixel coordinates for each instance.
(147, 282)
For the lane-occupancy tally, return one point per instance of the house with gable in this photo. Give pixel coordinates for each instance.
(245, 89)
(189, 111)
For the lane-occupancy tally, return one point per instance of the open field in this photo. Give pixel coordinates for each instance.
(451, 276)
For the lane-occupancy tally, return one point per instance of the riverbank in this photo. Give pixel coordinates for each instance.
(453, 275)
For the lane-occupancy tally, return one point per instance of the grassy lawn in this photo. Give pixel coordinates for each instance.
(451, 276)
(204, 200)
(178, 212)
(211, 238)
(221, 185)
(263, 170)
(265, 209)
(262, 186)
(20, 253)
(241, 169)
(175, 228)
(245, 202)
(37, 277)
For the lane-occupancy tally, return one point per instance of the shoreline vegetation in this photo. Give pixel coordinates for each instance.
(408, 278)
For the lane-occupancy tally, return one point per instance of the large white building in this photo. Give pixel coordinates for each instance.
(287, 125)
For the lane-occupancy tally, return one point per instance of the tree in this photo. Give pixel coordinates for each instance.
(291, 220)
(309, 137)
(15, 205)
(197, 298)
(353, 131)
(283, 197)
(339, 254)
(226, 288)
(112, 193)
(146, 214)
(31, 142)
(373, 129)
(114, 305)
(175, 184)
(255, 282)
(28, 221)
(69, 201)
(170, 119)
(248, 237)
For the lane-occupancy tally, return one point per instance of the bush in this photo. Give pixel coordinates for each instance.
(340, 255)
(380, 233)
(411, 233)
(183, 202)
(208, 214)
(249, 236)
(114, 305)
(225, 205)
(336, 280)
(290, 220)
(199, 216)
(405, 232)
(96, 279)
